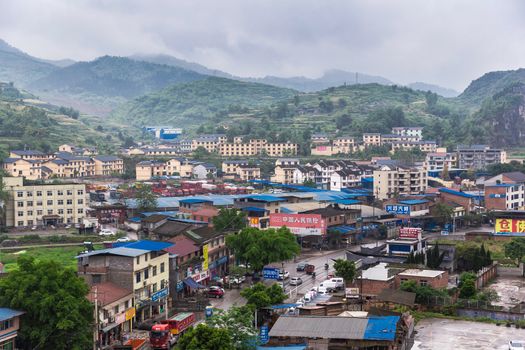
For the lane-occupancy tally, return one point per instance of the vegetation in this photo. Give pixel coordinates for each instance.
(206, 337)
(345, 269)
(239, 321)
(146, 199)
(259, 248)
(423, 293)
(260, 296)
(467, 285)
(442, 213)
(434, 257)
(57, 312)
(472, 257)
(230, 220)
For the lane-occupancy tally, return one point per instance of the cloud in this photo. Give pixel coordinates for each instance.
(438, 41)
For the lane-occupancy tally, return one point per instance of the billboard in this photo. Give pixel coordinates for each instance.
(205, 256)
(410, 232)
(300, 224)
(398, 209)
(513, 227)
(271, 273)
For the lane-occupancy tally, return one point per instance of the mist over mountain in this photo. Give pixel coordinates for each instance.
(443, 91)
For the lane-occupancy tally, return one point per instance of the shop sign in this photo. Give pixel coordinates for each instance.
(120, 318)
(271, 273)
(205, 257)
(398, 209)
(160, 294)
(513, 227)
(200, 276)
(180, 286)
(130, 313)
(410, 232)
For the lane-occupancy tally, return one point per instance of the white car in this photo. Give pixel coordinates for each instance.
(238, 279)
(124, 239)
(295, 281)
(106, 232)
(517, 345)
(284, 275)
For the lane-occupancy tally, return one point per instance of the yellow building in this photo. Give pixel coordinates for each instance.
(108, 165)
(243, 170)
(391, 181)
(29, 154)
(31, 169)
(256, 147)
(42, 205)
(80, 151)
(372, 139)
(68, 166)
(209, 142)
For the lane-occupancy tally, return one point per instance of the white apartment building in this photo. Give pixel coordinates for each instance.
(413, 132)
(390, 181)
(438, 160)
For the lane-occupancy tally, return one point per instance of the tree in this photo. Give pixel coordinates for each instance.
(260, 296)
(201, 153)
(345, 269)
(58, 314)
(515, 249)
(239, 321)
(229, 220)
(424, 294)
(206, 337)
(260, 248)
(309, 183)
(442, 213)
(467, 285)
(146, 199)
(444, 174)
(434, 257)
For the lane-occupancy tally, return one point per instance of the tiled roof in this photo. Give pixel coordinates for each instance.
(107, 158)
(7, 313)
(182, 246)
(107, 293)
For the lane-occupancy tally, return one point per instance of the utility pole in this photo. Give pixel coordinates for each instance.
(95, 334)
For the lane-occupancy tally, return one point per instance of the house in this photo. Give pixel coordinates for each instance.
(141, 267)
(9, 326)
(205, 215)
(185, 262)
(30, 169)
(372, 139)
(440, 160)
(204, 171)
(29, 154)
(413, 132)
(116, 310)
(513, 178)
(79, 151)
(284, 170)
(258, 207)
(108, 165)
(452, 197)
(436, 279)
(505, 196)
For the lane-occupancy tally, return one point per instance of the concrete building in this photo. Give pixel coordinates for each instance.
(452, 197)
(242, 170)
(438, 160)
(372, 139)
(9, 326)
(146, 170)
(437, 279)
(284, 170)
(141, 267)
(210, 142)
(514, 178)
(29, 154)
(255, 147)
(108, 165)
(479, 156)
(42, 205)
(204, 171)
(413, 132)
(391, 181)
(505, 197)
(423, 146)
(79, 151)
(30, 169)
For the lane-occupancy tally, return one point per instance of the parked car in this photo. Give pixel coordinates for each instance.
(295, 281)
(215, 292)
(124, 239)
(284, 275)
(301, 266)
(238, 279)
(106, 232)
(516, 345)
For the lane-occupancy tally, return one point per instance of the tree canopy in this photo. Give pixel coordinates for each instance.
(260, 248)
(260, 296)
(239, 321)
(424, 294)
(229, 220)
(345, 269)
(146, 199)
(206, 337)
(58, 314)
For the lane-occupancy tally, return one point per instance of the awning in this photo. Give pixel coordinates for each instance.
(109, 327)
(254, 209)
(192, 284)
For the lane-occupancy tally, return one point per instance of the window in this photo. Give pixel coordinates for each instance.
(39, 212)
(161, 267)
(146, 274)
(50, 212)
(20, 213)
(60, 211)
(423, 283)
(29, 193)
(69, 192)
(29, 213)
(49, 202)
(29, 203)
(20, 204)
(60, 192)
(29, 222)
(96, 279)
(70, 211)
(60, 202)
(154, 271)
(39, 203)
(69, 202)
(6, 324)
(138, 259)
(146, 257)
(39, 193)
(80, 201)
(162, 284)
(126, 304)
(49, 193)
(20, 223)
(137, 277)
(20, 194)
(80, 211)
(80, 192)
(116, 309)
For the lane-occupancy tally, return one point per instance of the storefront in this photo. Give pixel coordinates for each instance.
(117, 325)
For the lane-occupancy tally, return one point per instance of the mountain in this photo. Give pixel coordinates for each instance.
(442, 91)
(20, 68)
(107, 82)
(195, 102)
(490, 84)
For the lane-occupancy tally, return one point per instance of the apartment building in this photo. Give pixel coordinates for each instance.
(505, 197)
(29, 154)
(391, 181)
(108, 165)
(78, 151)
(255, 147)
(344, 179)
(41, 205)
(438, 160)
(9, 326)
(146, 170)
(345, 144)
(284, 170)
(204, 171)
(413, 132)
(141, 267)
(30, 169)
(69, 165)
(209, 142)
(319, 138)
(372, 139)
(423, 146)
(479, 156)
(242, 170)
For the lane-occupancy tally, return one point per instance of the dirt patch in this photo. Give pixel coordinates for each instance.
(510, 290)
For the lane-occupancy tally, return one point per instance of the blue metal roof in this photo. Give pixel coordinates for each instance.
(500, 185)
(120, 250)
(261, 210)
(153, 246)
(265, 198)
(342, 229)
(285, 210)
(347, 201)
(189, 221)
(456, 193)
(194, 200)
(413, 201)
(167, 213)
(381, 328)
(135, 219)
(6, 313)
(283, 306)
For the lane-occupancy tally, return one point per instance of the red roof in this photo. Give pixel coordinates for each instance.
(183, 246)
(206, 212)
(107, 293)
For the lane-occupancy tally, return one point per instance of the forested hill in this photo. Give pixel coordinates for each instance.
(489, 84)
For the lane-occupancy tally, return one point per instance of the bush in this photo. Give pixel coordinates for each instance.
(31, 238)
(56, 239)
(3, 238)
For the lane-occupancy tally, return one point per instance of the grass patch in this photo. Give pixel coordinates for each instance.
(64, 255)
(421, 315)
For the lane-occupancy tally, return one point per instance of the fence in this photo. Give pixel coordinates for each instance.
(486, 274)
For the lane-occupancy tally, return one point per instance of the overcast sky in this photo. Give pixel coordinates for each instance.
(446, 42)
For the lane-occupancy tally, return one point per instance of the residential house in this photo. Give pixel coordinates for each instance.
(505, 197)
(438, 160)
(391, 181)
(108, 165)
(204, 171)
(9, 326)
(479, 156)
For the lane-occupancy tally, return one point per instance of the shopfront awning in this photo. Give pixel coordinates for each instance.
(109, 327)
(192, 284)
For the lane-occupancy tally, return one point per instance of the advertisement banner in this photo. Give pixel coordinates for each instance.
(398, 209)
(254, 222)
(300, 224)
(271, 273)
(160, 294)
(514, 227)
(130, 313)
(410, 232)
(120, 318)
(205, 262)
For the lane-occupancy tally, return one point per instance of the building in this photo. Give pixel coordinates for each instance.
(284, 170)
(479, 156)
(30, 169)
(210, 142)
(514, 178)
(258, 208)
(78, 151)
(423, 146)
(372, 139)
(149, 169)
(255, 147)
(116, 310)
(29, 154)
(505, 197)
(167, 133)
(456, 197)
(108, 165)
(204, 171)
(242, 170)
(391, 181)
(345, 144)
(42, 205)
(10, 323)
(409, 241)
(141, 267)
(413, 132)
(436, 279)
(408, 208)
(438, 160)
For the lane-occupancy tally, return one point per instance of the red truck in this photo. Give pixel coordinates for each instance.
(165, 334)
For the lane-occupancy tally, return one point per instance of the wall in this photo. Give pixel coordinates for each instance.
(494, 315)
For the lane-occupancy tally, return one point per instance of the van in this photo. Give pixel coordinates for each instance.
(333, 283)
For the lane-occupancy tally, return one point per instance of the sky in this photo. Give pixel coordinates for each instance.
(445, 42)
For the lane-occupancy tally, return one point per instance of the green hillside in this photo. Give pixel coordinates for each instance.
(107, 81)
(193, 103)
(489, 84)
(22, 69)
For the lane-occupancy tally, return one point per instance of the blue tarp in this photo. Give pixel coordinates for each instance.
(192, 284)
(381, 328)
(283, 306)
(144, 245)
(262, 210)
(342, 229)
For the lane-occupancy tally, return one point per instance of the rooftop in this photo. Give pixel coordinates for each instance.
(413, 201)
(7, 313)
(422, 273)
(108, 293)
(456, 193)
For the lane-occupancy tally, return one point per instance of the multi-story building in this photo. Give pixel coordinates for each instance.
(345, 144)
(204, 171)
(438, 160)
(413, 132)
(242, 170)
(29, 154)
(255, 147)
(39, 205)
(391, 181)
(30, 169)
(479, 156)
(423, 146)
(505, 197)
(141, 267)
(78, 151)
(69, 165)
(146, 170)
(209, 142)
(319, 138)
(108, 165)
(372, 139)
(9, 325)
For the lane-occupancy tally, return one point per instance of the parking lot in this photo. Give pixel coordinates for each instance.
(442, 334)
